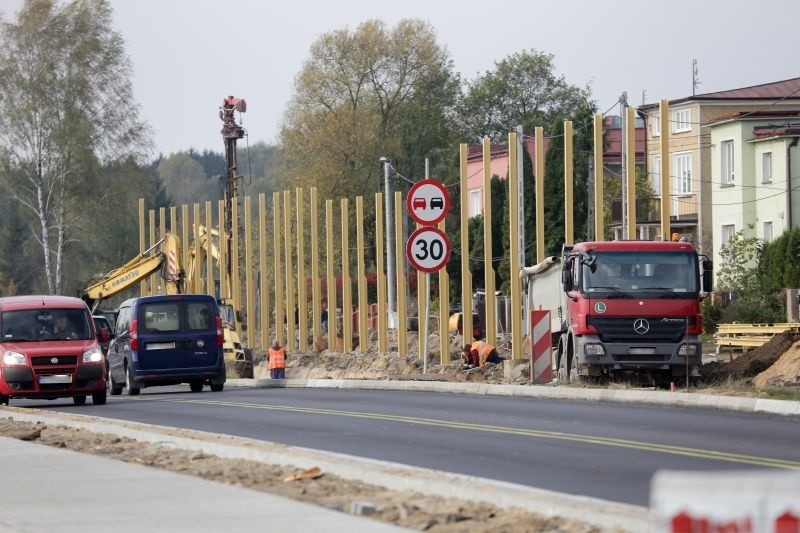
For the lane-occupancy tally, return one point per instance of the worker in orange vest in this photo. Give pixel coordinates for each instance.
(277, 361)
(483, 351)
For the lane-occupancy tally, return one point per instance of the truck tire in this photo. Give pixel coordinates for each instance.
(563, 370)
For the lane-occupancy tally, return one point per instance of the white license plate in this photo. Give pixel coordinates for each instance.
(161, 345)
(56, 378)
(642, 351)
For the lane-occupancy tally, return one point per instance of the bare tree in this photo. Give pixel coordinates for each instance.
(68, 110)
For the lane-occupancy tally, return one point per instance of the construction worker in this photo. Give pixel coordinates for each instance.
(277, 361)
(483, 352)
(468, 358)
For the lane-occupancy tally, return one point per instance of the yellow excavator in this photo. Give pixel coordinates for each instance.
(163, 255)
(238, 359)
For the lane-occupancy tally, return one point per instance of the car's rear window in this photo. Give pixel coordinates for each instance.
(176, 316)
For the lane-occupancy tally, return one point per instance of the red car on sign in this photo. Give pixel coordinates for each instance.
(418, 203)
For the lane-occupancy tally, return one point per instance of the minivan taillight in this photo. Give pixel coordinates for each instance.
(134, 336)
(220, 334)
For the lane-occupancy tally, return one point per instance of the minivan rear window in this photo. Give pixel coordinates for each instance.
(176, 316)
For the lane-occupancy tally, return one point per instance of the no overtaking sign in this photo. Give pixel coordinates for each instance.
(428, 202)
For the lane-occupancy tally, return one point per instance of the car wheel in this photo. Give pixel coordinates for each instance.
(217, 387)
(4, 400)
(196, 386)
(133, 390)
(99, 398)
(79, 400)
(113, 388)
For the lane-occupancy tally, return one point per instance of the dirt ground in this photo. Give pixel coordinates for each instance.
(775, 364)
(409, 510)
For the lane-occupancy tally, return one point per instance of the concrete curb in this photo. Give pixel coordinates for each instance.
(679, 399)
(605, 514)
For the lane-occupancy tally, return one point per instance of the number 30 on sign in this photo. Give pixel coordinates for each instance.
(428, 249)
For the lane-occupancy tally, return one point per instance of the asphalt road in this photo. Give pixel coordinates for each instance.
(607, 451)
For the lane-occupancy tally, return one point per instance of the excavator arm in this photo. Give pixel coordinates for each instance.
(161, 256)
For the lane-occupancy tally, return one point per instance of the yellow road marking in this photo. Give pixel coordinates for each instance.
(604, 441)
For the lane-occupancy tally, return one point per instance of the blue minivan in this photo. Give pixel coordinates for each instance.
(166, 340)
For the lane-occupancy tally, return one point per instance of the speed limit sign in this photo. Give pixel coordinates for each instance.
(428, 249)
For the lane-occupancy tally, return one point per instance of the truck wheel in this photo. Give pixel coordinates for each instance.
(563, 371)
(79, 400)
(133, 390)
(573, 370)
(99, 398)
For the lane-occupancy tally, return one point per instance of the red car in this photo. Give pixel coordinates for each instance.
(50, 349)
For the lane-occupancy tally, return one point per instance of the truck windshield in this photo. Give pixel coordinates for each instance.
(668, 274)
(45, 324)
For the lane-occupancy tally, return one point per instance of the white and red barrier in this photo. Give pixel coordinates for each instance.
(541, 350)
(765, 501)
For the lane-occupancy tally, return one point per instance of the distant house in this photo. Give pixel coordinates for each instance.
(691, 154)
(755, 174)
(498, 167)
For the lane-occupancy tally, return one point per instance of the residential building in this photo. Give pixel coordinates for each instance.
(690, 149)
(755, 175)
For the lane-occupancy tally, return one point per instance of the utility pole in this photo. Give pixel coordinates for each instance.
(695, 76)
(390, 277)
(623, 105)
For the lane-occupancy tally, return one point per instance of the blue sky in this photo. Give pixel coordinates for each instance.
(189, 54)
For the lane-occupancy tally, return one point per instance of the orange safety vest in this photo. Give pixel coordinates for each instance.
(483, 349)
(277, 358)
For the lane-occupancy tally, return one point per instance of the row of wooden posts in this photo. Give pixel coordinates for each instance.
(282, 274)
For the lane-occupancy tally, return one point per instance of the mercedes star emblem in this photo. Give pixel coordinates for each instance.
(641, 326)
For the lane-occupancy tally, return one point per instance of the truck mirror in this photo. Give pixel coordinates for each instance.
(708, 276)
(566, 277)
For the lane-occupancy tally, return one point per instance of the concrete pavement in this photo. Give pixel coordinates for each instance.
(52, 489)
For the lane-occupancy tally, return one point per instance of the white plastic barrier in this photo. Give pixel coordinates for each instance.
(734, 502)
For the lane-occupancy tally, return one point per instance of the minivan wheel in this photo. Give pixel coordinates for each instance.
(217, 387)
(196, 386)
(3, 399)
(113, 388)
(129, 383)
(79, 400)
(99, 398)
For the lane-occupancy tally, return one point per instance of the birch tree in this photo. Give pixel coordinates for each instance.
(68, 110)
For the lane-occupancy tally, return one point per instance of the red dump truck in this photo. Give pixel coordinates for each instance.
(623, 306)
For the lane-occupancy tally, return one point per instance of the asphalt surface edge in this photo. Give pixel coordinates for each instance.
(605, 514)
(649, 397)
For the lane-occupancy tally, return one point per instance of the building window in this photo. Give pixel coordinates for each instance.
(728, 177)
(475, 203)
(681, 120)
(728, 231)
(656, 174)
(655, 131)
(682, 172)
(766, 167)
(768, 231)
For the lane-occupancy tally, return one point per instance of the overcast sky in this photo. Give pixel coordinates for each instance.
(189, 54)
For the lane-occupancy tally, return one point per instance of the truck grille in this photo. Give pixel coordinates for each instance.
(623, 329)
